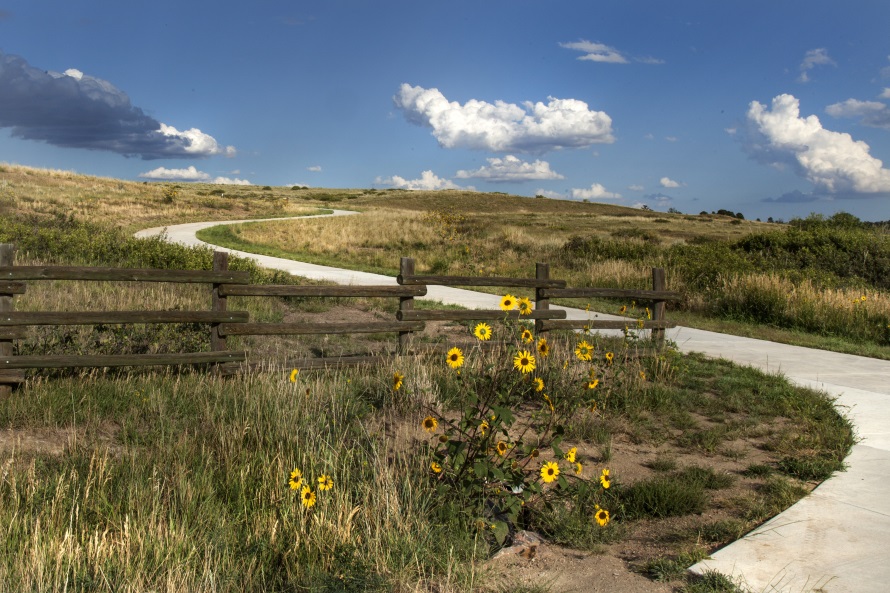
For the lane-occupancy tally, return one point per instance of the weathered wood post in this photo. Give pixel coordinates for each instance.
(542, 272)
(406, 303)
(658, 307)
(218, 303)
(6, 305)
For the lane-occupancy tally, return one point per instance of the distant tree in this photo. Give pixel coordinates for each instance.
(673, 210)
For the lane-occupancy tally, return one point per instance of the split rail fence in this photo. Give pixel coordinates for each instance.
(224, 323)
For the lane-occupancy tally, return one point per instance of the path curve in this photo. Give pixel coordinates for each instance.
(833, 541)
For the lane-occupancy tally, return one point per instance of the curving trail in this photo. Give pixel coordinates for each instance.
(833, 541)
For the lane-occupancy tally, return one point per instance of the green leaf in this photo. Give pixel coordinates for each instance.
(480, 468)
(500, 529)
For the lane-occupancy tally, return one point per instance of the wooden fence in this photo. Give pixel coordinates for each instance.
(223, 323)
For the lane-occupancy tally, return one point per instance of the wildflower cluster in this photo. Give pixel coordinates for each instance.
(307, 495)
(502, 454)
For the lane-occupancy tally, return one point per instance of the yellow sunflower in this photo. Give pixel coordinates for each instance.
(527, 336)
(601, 516)
(623, 309)
(296, 479)
(483, 428)
(325, 482)
(593, 383)
(307, 497)
(543, 347)
(482, 331)
(640, 323)
(584, 351)
(609, 357)
(501, 448)
(549, 401)
(455, 358)
(293, 375)
(437, 469)
(508, 302)
(538, 383)
(604, 479)
(524, 361)
(578, 468)
(525, 306)
(397, 380)
(430, 424)
(570, 454)
(549, 471)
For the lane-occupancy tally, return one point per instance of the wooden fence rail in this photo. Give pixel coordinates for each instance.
(224, 323)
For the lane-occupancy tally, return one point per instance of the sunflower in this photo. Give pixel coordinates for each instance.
(455, 358)
(543, 347)
(524, 361)
(483, 428)
(430, 424)
(648, 313)
(584, 351)
(642, 375)
(538, 383)
(549, 401)
(578, 468)
(437, 469)
(640, 323)
(549, 471)
(397, 380)
(293, 375)
(609, 357)
(508, 302)
(623, 309)
(593, 383)
(296, 479)
(604, 479)
(527, 336)
(307, 497)
(482, 331)
(325, 482)
(570, 454)
(601, 516)
(501, 448)
(525, 306)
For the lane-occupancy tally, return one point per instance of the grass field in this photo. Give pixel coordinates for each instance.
(180, 480)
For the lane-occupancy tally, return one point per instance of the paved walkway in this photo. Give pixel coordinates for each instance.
(837, 539)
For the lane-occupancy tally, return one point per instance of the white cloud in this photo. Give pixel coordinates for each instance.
(600, 52)
(228, 181)
(550, 194)
(197, 142)
(833, 161)
(635, 187)
(813, 58)
(730, 131)
(670, 138)
(872, 113)
(314, 168)
(596, 192)
(510, 168)
(885, 94)
(596, 52)
(188, 174)
(505, 127)
(428, 181)
(668, 182)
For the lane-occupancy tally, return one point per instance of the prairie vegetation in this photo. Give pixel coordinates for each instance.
(180, 480)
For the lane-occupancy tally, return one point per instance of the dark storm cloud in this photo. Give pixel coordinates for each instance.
(73, 110)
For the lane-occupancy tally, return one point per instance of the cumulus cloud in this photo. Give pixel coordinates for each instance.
(870, 113)
(428, 181)
(668, 182)
(600, 52)
(505, 127)
(189, 174)
(596, 192)
(635, 187)
(511, 168)
(550, 194)
(813, 58)
(885, 94)
(75, 110)
(314, 168)
(832, 161)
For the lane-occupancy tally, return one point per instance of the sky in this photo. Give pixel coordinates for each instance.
(771, 109)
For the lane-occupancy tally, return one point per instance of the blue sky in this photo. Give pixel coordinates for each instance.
(768, 108)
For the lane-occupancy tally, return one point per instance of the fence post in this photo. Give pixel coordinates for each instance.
(542, 272)
(6, 259)
(217, 302)
(658, 283)
(406, 268)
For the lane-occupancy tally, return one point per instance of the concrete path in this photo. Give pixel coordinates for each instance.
(836, 540)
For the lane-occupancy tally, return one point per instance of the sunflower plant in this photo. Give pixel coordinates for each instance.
(501, 454)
